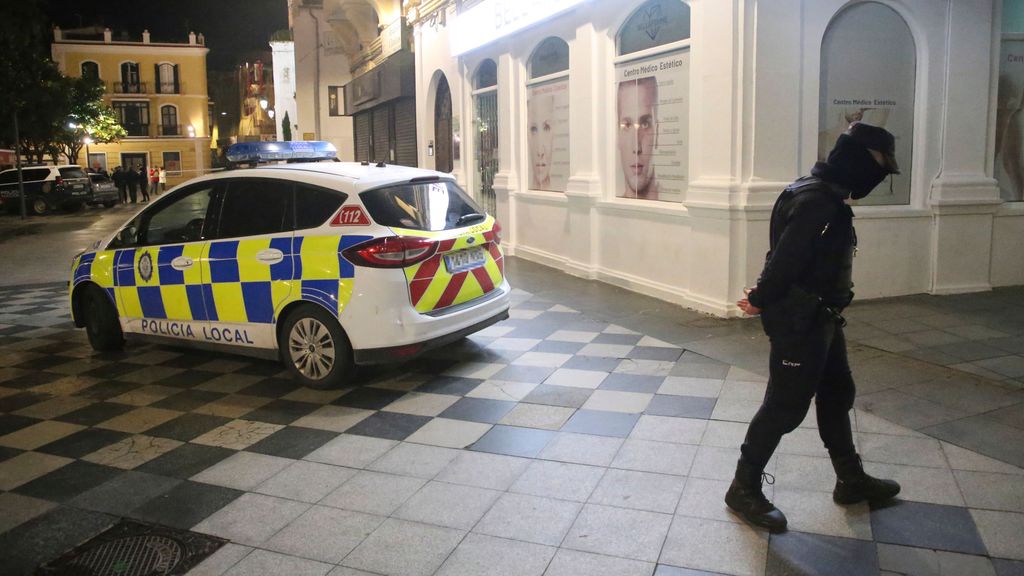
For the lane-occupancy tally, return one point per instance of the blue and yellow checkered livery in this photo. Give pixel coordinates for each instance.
(226, 282)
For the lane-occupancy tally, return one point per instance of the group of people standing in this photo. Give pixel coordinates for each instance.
(131, 180)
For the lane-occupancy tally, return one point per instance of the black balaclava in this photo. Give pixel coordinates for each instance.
(852, 166)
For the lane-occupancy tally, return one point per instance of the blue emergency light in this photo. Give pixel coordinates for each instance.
(298, 151)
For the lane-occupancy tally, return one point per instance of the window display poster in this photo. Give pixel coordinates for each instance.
(867, 74)
(172, 163)
(547, 135)
(1009, 156)
(652, 124)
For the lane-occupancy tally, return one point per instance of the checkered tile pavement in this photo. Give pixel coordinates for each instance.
(550, 443)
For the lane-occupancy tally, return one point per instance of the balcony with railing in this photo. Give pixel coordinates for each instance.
(170, 130)
(129, 88)
(136, 130)
(170, 88)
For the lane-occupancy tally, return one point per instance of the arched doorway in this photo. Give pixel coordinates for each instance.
(443, 127)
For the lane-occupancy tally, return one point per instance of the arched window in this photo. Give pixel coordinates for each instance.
(1009, 156)
(167, 78)
(443, 161)
(485, 122)
(91, 70)
(652, 101)
(169, 121)
(130, 83)
(547, 116)
(876, 87)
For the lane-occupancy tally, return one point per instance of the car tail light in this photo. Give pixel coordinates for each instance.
(391, 252)
(496, 231)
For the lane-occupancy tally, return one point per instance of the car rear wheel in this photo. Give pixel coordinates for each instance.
(315, 348)
(39, 206)
(101, 323)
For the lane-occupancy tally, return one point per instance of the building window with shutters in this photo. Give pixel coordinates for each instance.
(167, 79)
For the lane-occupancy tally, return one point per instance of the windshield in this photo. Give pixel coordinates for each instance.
(430, 206)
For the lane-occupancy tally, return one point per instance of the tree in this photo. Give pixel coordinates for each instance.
(87, 117)
(24, 68)
(286, 127)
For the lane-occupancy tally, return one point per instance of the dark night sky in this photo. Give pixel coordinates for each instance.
(232, 28)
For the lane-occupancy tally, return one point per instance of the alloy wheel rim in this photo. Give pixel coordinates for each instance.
(311, 348)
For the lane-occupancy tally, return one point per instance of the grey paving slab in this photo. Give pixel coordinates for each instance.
(402, 548)
(450, 505)
(639, 490)
(794, 553)
(725, 547)
(908, 560)
(1000, 531)
(483, 470)
(324, 534)
(575, 563)
(558, 480)
(483, 555)
(928, 526)
(305, 481)
(529, 518)
(374, 493)
(266, 563)
(633, 534)
(252, 518)
(983, 435)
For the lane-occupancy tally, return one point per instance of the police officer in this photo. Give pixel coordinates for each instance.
(803, 288)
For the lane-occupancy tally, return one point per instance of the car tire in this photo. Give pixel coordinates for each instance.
(38, 206)
(315, 348)
(101, 322)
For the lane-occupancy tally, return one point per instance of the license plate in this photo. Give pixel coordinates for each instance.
(9, 194)
(465, 260)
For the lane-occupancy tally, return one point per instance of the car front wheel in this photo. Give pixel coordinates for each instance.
(315, 348)
(101, 323)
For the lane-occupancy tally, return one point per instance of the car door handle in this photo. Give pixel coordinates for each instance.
(270, 256)
(181, 263)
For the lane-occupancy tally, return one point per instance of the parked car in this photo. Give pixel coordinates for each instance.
(104, 191)
(46, 188)
(322, 265)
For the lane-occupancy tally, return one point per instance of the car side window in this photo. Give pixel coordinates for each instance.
(254, 206)
(183, 219)
(8, 177)
(313, 206)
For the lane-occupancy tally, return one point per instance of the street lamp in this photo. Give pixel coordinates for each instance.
(270, 113)
(264, 103)
(191, 131)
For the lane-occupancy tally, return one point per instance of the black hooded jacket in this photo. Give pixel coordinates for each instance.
(812, 243)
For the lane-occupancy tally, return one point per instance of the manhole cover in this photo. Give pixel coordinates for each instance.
(135, 549)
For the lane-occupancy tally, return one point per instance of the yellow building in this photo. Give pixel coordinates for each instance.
(158, 93)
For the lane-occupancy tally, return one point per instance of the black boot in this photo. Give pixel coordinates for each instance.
(854, 485)
(746, 499)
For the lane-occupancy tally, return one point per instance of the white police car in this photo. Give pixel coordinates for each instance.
(324, 265)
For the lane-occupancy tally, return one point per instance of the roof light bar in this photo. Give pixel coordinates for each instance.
(297, 151)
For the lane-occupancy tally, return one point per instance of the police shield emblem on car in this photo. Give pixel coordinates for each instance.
(322, 265)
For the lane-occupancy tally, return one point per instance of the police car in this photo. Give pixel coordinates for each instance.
(325, 265)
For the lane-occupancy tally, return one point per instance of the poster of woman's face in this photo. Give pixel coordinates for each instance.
(651, 128)
(547, 114)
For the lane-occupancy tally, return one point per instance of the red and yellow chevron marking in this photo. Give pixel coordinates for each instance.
(432, 287)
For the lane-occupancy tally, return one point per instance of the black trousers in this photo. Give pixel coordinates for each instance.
(802, 368)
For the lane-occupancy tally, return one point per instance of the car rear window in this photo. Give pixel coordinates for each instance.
(430, 206)
(67, 173)
(99, 178)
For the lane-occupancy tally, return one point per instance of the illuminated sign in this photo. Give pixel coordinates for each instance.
(494, 19)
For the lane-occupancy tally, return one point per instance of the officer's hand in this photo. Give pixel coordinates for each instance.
(748, 308)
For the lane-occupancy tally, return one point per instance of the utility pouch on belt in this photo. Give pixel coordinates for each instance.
(794, 315)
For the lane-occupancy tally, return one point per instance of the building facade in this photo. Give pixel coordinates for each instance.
(284, 87)
(158, 92)
(643, 142)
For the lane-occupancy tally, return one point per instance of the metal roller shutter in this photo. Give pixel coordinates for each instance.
(361, 136)
(381, 132)
(405, 132)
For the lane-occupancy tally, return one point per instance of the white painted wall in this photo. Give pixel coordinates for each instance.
(754, 90)
(284, 88)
